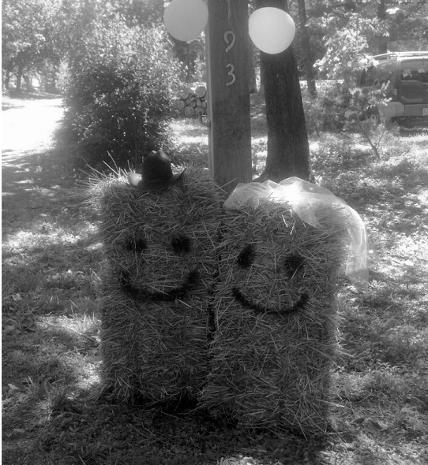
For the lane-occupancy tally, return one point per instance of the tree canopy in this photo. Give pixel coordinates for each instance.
(39, 34)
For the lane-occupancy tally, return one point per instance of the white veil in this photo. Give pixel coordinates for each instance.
(316, 206)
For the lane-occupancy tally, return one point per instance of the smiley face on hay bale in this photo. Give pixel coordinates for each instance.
(160, 243)
(275, 317)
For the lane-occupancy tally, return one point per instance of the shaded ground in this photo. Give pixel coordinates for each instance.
(51, 263)
(45, 238)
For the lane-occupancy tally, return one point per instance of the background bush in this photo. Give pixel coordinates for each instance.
(340, 107)
(326, 112)
(118, 93)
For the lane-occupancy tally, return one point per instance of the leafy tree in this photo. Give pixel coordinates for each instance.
(189, 54)
(407, 25)
(140, 12)
(371, 26)
(118, 95)
(26, 36)
(341, 62)
(390, 24)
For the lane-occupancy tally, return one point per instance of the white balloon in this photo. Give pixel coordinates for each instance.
(186, 19)
(271, 29)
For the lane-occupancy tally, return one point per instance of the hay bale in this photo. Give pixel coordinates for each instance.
(275, 318)
(152, 352)
(161, 250)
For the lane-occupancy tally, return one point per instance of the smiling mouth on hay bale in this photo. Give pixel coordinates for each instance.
(299, 305)
(176, 293)
(162, 244)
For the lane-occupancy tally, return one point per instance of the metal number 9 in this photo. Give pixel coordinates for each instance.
(229, 38)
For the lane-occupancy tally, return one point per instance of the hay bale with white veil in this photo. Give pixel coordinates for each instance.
(275, 316)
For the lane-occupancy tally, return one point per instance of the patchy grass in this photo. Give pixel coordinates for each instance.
(381, 383)
(52, 412)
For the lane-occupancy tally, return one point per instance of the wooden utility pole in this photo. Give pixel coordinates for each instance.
(228, 92)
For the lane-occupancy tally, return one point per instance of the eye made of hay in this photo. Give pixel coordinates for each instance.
(293, 264)
(136, 244)
(246, 256)
(181, 244)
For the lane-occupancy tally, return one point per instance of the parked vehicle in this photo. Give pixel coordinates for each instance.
(403, 76)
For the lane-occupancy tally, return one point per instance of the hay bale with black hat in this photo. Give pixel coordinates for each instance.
(160, 239)
(275, 306)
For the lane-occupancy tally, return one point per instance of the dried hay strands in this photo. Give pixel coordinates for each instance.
(275, 312)
(161, 250)
(153, 351)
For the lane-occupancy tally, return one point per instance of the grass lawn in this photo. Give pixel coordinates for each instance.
(51, 265)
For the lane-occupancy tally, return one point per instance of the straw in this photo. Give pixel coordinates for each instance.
(276, 319)
(162, 261)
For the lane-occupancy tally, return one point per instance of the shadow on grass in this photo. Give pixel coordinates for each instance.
(35, 183)
(51, 344)
(49, 275)
(37, 365)
(388, 191)
(10, 105)
(97, 432)
(30, 95)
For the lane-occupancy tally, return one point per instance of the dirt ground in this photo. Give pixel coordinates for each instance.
(32, 172)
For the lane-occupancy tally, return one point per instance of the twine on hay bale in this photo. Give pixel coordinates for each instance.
(162, 261)
(275, 319)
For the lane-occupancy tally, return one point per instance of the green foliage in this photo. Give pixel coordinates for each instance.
(147, 12)
(398, 24)
(27, 36)
(326, 111)
(192, 57)
(39, 34)
(118, 93)
(347, 49)
(340, 107)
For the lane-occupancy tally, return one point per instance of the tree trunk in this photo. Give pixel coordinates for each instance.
(19, 78)
(28, 83)
(382, 46)
(6, 79)
(307, 51)
(288, 147)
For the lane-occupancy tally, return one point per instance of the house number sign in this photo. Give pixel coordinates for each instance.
(229, 39)
(229, 102)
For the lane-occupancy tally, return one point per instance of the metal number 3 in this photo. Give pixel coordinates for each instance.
(231, 73)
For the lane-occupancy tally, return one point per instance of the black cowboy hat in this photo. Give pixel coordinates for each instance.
(157, 172)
